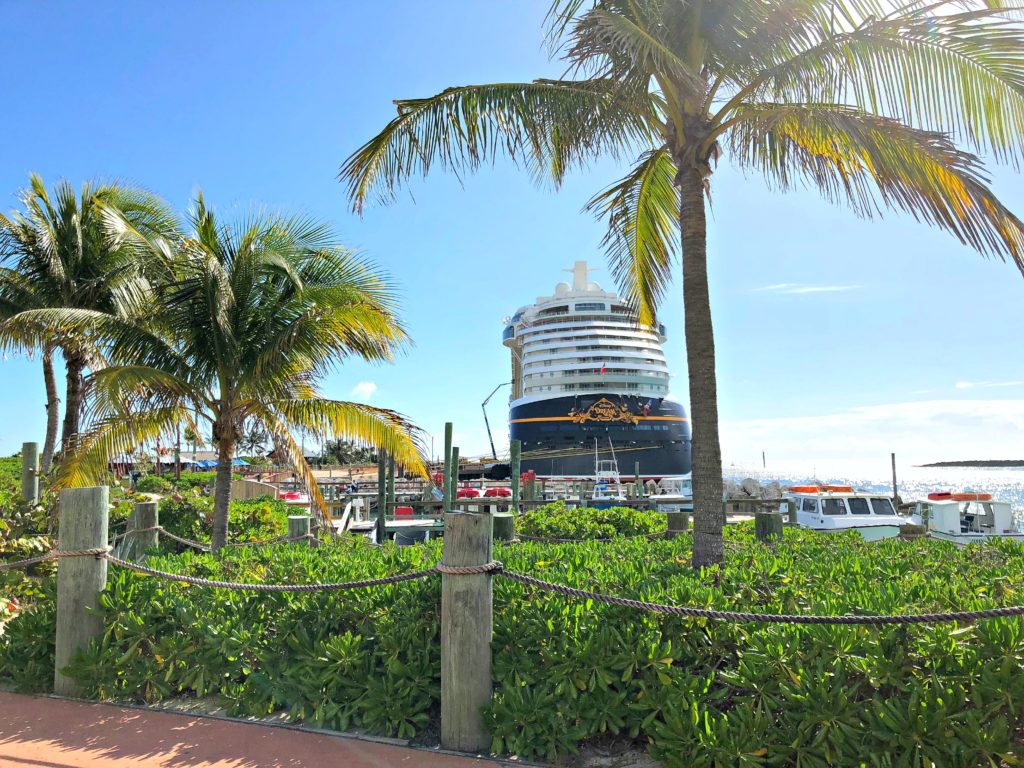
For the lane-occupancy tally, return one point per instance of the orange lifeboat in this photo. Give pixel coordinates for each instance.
(972, 497)
(940, 496)
(839, 488)
(804, 489)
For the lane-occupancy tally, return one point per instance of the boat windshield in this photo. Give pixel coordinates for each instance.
(882, 506)
(833, 507)
(858, 506)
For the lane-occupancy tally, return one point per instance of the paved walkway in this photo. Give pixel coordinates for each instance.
(39, 731)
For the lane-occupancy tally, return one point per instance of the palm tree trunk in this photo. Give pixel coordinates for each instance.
(222, 493)
(708, 513)
(52, 410)
(73, 401)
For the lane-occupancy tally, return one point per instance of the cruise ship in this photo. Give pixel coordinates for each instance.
(588, 379)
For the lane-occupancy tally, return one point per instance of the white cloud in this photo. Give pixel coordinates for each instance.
(987, 384)
(801, 288)
(364, 390)
(919, 432)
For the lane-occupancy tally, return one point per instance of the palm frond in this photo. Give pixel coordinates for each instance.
(357, 422)
(869, 161)
(960, 72)
(283, 438)
(643, 230)
(632, 50)
(116, 435)
(547, 126)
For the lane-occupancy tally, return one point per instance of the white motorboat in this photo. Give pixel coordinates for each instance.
(607, 484)
(675, 494)
(835, 508)
(964, 518)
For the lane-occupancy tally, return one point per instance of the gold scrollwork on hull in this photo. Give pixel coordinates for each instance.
(604, 410)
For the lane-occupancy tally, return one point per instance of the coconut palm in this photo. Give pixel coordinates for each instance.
(860, 99)
(16, 296)
(251, 318)
(73, 250)
(254, 437)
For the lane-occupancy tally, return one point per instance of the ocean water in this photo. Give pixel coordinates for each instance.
(913, 483)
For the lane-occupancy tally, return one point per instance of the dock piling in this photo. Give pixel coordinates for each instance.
(83, 525)
(466, 629)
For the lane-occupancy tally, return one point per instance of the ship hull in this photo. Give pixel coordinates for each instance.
(558, 435)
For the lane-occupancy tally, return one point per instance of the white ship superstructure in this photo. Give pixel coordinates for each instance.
(584, 367)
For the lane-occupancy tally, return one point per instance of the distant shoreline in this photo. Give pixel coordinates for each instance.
(988, 463)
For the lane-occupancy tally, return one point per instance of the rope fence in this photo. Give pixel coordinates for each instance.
(552, 540)
(497, 568)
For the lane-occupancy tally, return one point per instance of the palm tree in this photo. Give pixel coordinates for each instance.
(252, 316)
(861, 99)
(16, 296)
(254, 437)
(76, 251)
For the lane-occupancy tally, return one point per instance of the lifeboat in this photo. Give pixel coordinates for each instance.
(498, 492)
(804, 489)
(467, 493)
(940, 496)
(838, 488)
(971, 496)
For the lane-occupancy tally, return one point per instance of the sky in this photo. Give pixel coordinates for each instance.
(838, 339)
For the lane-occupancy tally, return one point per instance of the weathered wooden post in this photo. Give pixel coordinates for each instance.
(83, 525)
(447, 467)
(767, 524)
(516, 449)
(636, 479)
(791, 505)
(142, 528)
(30, 473)
(381, 529)
(453, 483)
(298, 529)
(504, 526)
(466, 628)
(678, 523)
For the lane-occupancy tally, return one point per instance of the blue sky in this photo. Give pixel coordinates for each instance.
(835, 335)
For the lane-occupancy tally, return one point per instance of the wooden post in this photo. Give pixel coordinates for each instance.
(466, 628)
(516, 449)
(678, 524)
(381, 497)
(30, 473)
(83, 525)
(391, 482)
(792, 511)
(298, 529)
(895, 493)
(447, 466)
(636, 479)
(453, 485)
(145, 516)
(767, 525)
(504, 526)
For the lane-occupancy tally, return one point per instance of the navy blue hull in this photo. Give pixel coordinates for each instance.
(558, 435)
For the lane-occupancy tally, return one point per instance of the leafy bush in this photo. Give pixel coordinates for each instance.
(190, 480)
(152, 484)
(250, 520)
(556, 521)
(566, 671)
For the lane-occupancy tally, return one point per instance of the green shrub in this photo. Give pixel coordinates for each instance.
(152, 484)
(694, 692)
(250, 520)
(190, 480)
(557, 521)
